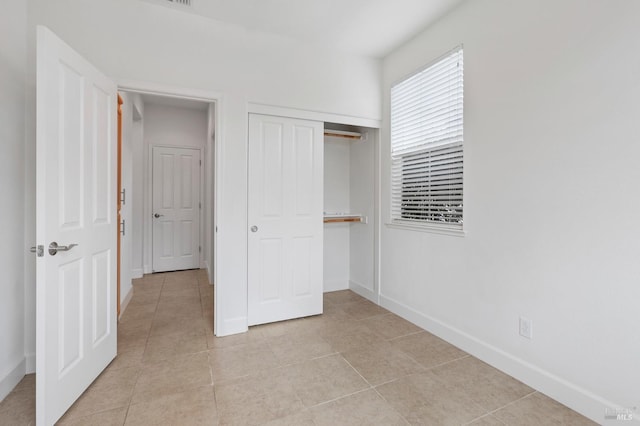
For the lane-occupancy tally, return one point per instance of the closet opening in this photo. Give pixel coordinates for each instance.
(350, 214)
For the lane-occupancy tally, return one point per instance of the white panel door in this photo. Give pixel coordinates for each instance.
(176, 208)
(76, 209)
(285, 218)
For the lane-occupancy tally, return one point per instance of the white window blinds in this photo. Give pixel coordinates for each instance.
(427, 144)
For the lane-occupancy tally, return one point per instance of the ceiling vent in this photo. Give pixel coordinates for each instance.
(186, 3)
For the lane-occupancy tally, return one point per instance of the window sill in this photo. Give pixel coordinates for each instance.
(432, 229)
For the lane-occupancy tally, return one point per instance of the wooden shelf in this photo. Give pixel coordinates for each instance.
(339, 218)
(343, 134)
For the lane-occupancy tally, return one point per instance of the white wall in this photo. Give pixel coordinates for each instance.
(169, 126)
(362, 183)
(137, 190)
(13, 250)
(209, 192)
(239, 64)
(30, 197)
(552, 94)
(175, 126)
(130, 130)
(336, 200)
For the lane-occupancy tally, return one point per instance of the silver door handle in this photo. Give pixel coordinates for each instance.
(156, 215)
(55, 248)
(254, 228)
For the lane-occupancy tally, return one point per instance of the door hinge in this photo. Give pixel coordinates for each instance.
(201, 162)
(122, 224)
(199, 249)
(123, 196)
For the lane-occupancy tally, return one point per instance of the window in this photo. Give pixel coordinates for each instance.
(427, 145)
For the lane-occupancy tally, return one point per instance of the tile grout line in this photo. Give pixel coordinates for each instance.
(375, 389)
(490, 413)
(437, 365)
(338, 398)
(146, 343)
(407, 335)
(356, 370)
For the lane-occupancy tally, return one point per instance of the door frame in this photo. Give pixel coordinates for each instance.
(119, 204)
(148, 223)
(212, 154)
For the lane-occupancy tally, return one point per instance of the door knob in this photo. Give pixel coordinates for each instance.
(55, 248)
(254, 228)
(156, 215)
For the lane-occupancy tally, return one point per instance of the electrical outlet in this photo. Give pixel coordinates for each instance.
(526, 327)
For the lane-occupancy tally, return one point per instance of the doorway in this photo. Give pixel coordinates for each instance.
(169, 123)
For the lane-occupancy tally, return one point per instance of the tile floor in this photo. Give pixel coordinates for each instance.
(357, 364)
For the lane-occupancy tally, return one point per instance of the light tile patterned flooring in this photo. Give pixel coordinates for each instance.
(357, 364)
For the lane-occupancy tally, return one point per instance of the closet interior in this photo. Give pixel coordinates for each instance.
(349, 208)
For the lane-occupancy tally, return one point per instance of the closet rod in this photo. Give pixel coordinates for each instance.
(338, 219)
(343, 134)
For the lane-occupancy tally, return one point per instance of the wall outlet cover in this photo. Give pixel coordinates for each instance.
(526, 327)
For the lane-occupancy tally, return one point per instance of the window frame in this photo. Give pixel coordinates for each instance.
(424, 152)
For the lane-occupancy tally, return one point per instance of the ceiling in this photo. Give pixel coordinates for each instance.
(365, 27)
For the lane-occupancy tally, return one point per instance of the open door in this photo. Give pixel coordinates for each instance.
(75, 226)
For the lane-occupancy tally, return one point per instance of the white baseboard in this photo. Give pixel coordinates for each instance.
(335, 285)
(209, 272)
(125, 302)
(30, 363)
(137, 273)
(363, 291)
(574, 397)
(233, 326)
(13, 377)
(147, 269)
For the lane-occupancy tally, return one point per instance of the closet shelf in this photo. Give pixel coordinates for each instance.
(343, 134)
(344, 217)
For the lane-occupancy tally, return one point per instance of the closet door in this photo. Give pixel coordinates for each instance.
(285, 218)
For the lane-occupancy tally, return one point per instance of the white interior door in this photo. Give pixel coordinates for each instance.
(176, 208)
(285, 218)
(76, 209)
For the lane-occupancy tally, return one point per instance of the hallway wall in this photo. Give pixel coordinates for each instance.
(168, 126)
(14, 248)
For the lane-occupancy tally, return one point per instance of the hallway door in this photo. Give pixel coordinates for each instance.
(285, 218)
(75, 225)
(176, 208)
